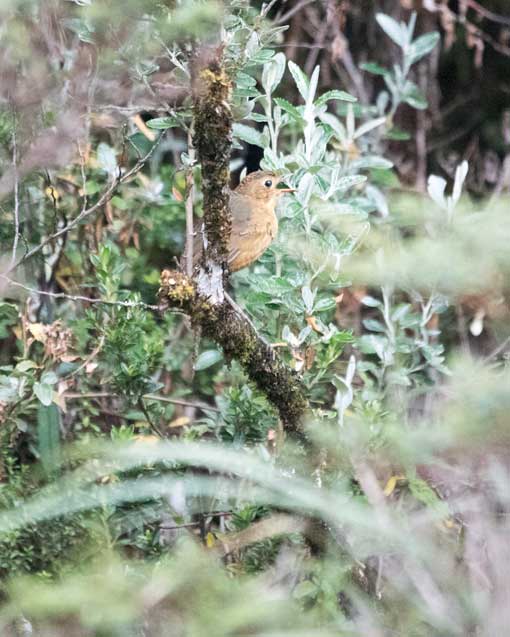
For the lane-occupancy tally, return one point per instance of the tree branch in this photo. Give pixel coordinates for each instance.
(202, 297)
(106, 196)
(240, 341)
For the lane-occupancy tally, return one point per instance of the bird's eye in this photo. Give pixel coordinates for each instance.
(268, 183)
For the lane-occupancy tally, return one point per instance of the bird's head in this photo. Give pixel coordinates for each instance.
(262, 185)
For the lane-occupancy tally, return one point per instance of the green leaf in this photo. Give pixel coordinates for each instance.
(44, 393)
(423, 45)
(302, 82)
(106, 158)
(24, 366)
(374, 68)
(372, 161)
(207, 359)
(393, 29)
(8, 317)
(368, 126)
(374, 325)
(335, 95)
(397, 135)
(162, 123)
(249, 135)
(289, 108)
(48, 437)
(273, 72)
(370, 301)
(414, 97)
(243, 80)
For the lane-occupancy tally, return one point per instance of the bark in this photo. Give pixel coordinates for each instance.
(202, 296)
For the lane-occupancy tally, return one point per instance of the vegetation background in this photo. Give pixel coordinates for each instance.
(147, 486)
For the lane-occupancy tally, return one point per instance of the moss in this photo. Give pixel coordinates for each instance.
(212, 140)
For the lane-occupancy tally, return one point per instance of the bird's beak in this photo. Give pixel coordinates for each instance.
(283, 190)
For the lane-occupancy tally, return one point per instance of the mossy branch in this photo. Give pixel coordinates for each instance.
(239, 341)
(202, 297)
(212, 140)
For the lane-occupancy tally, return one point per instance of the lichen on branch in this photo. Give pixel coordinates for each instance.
(202, 296)
(212, 140)
(239, 341)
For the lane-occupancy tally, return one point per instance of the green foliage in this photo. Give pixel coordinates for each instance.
(369, 522)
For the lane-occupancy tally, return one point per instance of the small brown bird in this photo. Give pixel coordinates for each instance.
(254, 221)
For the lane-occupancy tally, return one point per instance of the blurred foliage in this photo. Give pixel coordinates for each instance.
(146, 487)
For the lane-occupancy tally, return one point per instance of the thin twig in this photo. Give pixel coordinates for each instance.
(78, 297)
(162, 399)
(489, 15)
(501, 348)
(152, 424)
(213, 514)
(267, 8)
(16, 196)
(293, 11)
(83, 178)
(106, 196)
(190, 194)
(90, 357)
(183, 403)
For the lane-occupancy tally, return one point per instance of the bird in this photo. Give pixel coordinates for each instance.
(254, 220)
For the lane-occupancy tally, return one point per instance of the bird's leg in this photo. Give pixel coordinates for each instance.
(238, 310)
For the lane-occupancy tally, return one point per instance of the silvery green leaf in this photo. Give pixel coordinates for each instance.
(277, 116)
(351, 368)
(44, 393)
(382, 101)
(252, 45)
(400, 312)
(289, 108)
(335, 95)
(273, 72)
(319, 142)
(303, 334)
(208, 359)
(373, 325)
(414, 97)
(460, 178)
(350, 122)
(246, 92)
(370, 301)
(305, 188)
(410, 26)
(368, 126)
(162, 123)
(379, 200)
(338, 128)
(8, 388)
(243, 80)
(308, 298)
(26, 365)
(249, 135)
(349, 181)
(436, 187)
(271, 161)
(300, 79)
(372, 161)
(374, 68)
(258, 117)
(423, 45)
(49, 378)
(314, 80)
(289, 337)
(393, 29)
(106, 159)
